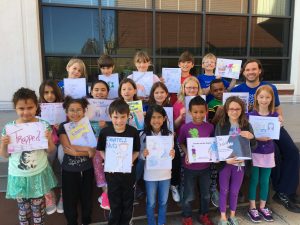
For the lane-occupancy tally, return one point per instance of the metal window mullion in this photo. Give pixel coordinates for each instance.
(249, 28)
(203, 28)
(154, 36)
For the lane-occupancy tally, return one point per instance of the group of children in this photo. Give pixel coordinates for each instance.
(80, 165)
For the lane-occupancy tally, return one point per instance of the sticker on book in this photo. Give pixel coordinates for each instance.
(53, 113)
(26, 137)
(202, 150)
(113, 83)
(76, 88)
(265, 126)
(229, 68)
(136, 115)
(172, 78)
(159, 152)
(81, 133)
(98, 109)
(118, 154)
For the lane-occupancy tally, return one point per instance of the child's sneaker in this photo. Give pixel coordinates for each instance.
(266, 214)
(60, 205)
(100, 199)
(204, 220)
(104, 203)
(187, 221)
(254, 216)
(215, 198)
(233, 221)
(50, 203)
(175, 193)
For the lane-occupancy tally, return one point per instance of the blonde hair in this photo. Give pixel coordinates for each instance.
(181, 94)
(269, 90)
(141, 56)
(81, 64)
(209, 56)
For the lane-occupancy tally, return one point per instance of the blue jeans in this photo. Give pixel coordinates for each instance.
(162, 188)
(202, 177)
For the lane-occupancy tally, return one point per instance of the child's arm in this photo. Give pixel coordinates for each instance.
(51, 145)
(278, 109)
(3, 149)
(184, 149)
(135, 154)
(180, 118)
(232, 84)
(206, 91)
(74, 150)
(102, 153)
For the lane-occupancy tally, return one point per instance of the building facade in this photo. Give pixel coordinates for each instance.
(39, 37)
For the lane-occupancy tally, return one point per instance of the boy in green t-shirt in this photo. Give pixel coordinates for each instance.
(217, 89)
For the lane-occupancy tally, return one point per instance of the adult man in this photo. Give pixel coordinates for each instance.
(285, 176)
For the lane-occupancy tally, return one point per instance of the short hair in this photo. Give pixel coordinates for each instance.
(124, 81)
(215, 81)
(56, 90)
(141, 56)
(268, 89)
(80, 62)
(105, 61)
(118, 106)
(24, 94)
(186, 56)
(99, 82)
(69, 100)
(209, 56)
(252, 61)
(198, 100)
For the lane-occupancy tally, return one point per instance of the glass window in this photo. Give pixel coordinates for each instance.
(271, 7)
(72, 31)
(73, 2)
(173, 63)
(125, 32)
(179, 5)
(142, 4)
(226, 35)
(269, 36)
(275, 70)
(228, 6)
(176, 33)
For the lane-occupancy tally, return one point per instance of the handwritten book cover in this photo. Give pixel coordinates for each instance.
(53, 113)
(98, 109)
(144, 82)
(172, 77)
(76, 88)
(113, 83)
(136, 116)
(229, 68)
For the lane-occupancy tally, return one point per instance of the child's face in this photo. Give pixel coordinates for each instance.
(142, 66)
(107, 70)
(186, 66)
(75, 112)
(127, 92)
(191, 88)
(209, 64)
(26, 110)
(99, 91)
(264, 99)
(198, 113)
(49, 95)
(157, 121)
(217, 90)
(74, 71)
(234, 111)
(160, 95)
(119, 121)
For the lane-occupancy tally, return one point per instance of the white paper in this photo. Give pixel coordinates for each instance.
(98, 109)
(144, 82)
(26, 137)
(229, 68)
(265, 126)
(76, 88)
(230, 146)
(188, 117)
(113, 83)
(81, 133)
(53, 113)
(242, 95)
(136, 116)
(202, 150)
(118, 154)
(170, 120)
(159, 152)
(172, 77)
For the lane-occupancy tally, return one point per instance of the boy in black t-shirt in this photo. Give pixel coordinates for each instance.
(120, 185)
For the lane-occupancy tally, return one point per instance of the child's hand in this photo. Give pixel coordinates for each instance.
(162, 79)
(92, 152)
(102, 124)
(263, 139)
(48, 134)
(5, 140)
(218, 77)
(172, 153)
(247, 134)
(280, 118)
(182, 113)
(56, 126)
(145, 152)
(233, 161)
(140, 87)
(187, 161)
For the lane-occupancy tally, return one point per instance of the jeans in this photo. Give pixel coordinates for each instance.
(190, 178)
(162, 189)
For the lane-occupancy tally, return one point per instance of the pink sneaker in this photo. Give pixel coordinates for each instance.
(104, 203)
(50, 203)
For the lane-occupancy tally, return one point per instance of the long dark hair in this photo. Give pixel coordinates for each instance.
(156, 85)
(98, 82)
(56, 91)
(124, 81)
(147, 125)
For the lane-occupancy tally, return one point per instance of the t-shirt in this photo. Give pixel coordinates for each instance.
(192, 130)
(244, 88)
(74, 163)
(27, 163)
(205, 81)
(213, 107)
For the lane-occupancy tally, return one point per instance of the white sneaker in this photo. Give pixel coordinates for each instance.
(60, 205)
(175, 193)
